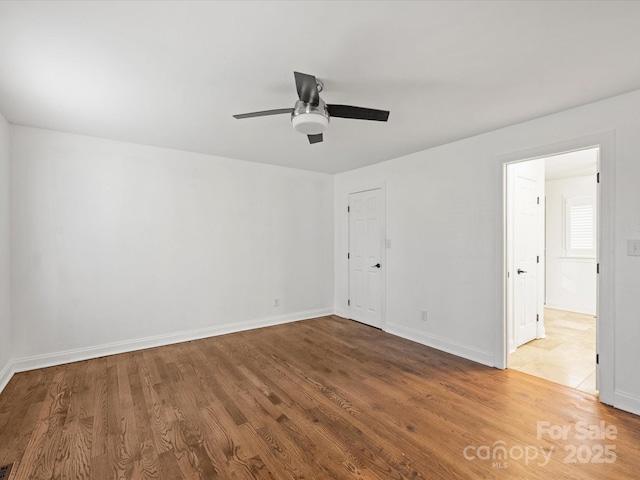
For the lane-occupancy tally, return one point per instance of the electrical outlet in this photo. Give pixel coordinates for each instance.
(276, 302)
(423, 315)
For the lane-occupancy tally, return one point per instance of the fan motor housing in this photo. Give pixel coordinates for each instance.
(310, 119)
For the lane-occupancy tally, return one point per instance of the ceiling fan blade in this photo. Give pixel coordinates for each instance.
(359, 113)
(315, 138)
(307, 87)
(264, 113)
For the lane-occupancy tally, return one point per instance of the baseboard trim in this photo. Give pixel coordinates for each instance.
(340, 312)
(69, 356)
(627, 402)
(484, 357)
(5, 375)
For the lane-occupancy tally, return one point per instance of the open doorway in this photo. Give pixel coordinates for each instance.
(552, 226)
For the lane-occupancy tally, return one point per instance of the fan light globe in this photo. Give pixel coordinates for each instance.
(310, 123)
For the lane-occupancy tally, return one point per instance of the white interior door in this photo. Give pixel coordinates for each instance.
(366, 239)
(526, 272)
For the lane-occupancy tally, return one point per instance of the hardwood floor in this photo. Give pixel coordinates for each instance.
(319, 399)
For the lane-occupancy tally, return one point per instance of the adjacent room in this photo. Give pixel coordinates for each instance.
(278, 240)
(562, 347)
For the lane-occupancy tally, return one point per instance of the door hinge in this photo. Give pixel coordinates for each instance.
(597, 268)
(348, 208)
(537, 317)
(538, 200)
(597, 359)
(537, 258)
(348, 255)
(348, 302)
(598, 177)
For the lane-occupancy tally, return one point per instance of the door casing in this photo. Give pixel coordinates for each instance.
(605, 313)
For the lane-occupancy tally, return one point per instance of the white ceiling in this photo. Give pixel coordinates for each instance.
(579, 163)
(172, 74)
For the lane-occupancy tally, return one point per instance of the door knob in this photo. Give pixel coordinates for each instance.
(521, 271)
(377, 265)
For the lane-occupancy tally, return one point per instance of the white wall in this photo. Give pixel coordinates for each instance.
(114, 243)
(5, 258)
(119, 246)
(445, 225)
(570, 282)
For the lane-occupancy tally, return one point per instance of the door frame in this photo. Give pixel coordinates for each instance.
(383, 251)
(605, 301)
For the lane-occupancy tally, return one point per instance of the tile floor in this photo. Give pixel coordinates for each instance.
(568, 353)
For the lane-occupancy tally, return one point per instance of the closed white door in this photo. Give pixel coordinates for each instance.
(366, 239)
(528, 231)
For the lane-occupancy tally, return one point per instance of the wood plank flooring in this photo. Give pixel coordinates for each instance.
(325, 398)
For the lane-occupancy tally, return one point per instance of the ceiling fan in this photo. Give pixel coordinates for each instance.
(310, 115)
